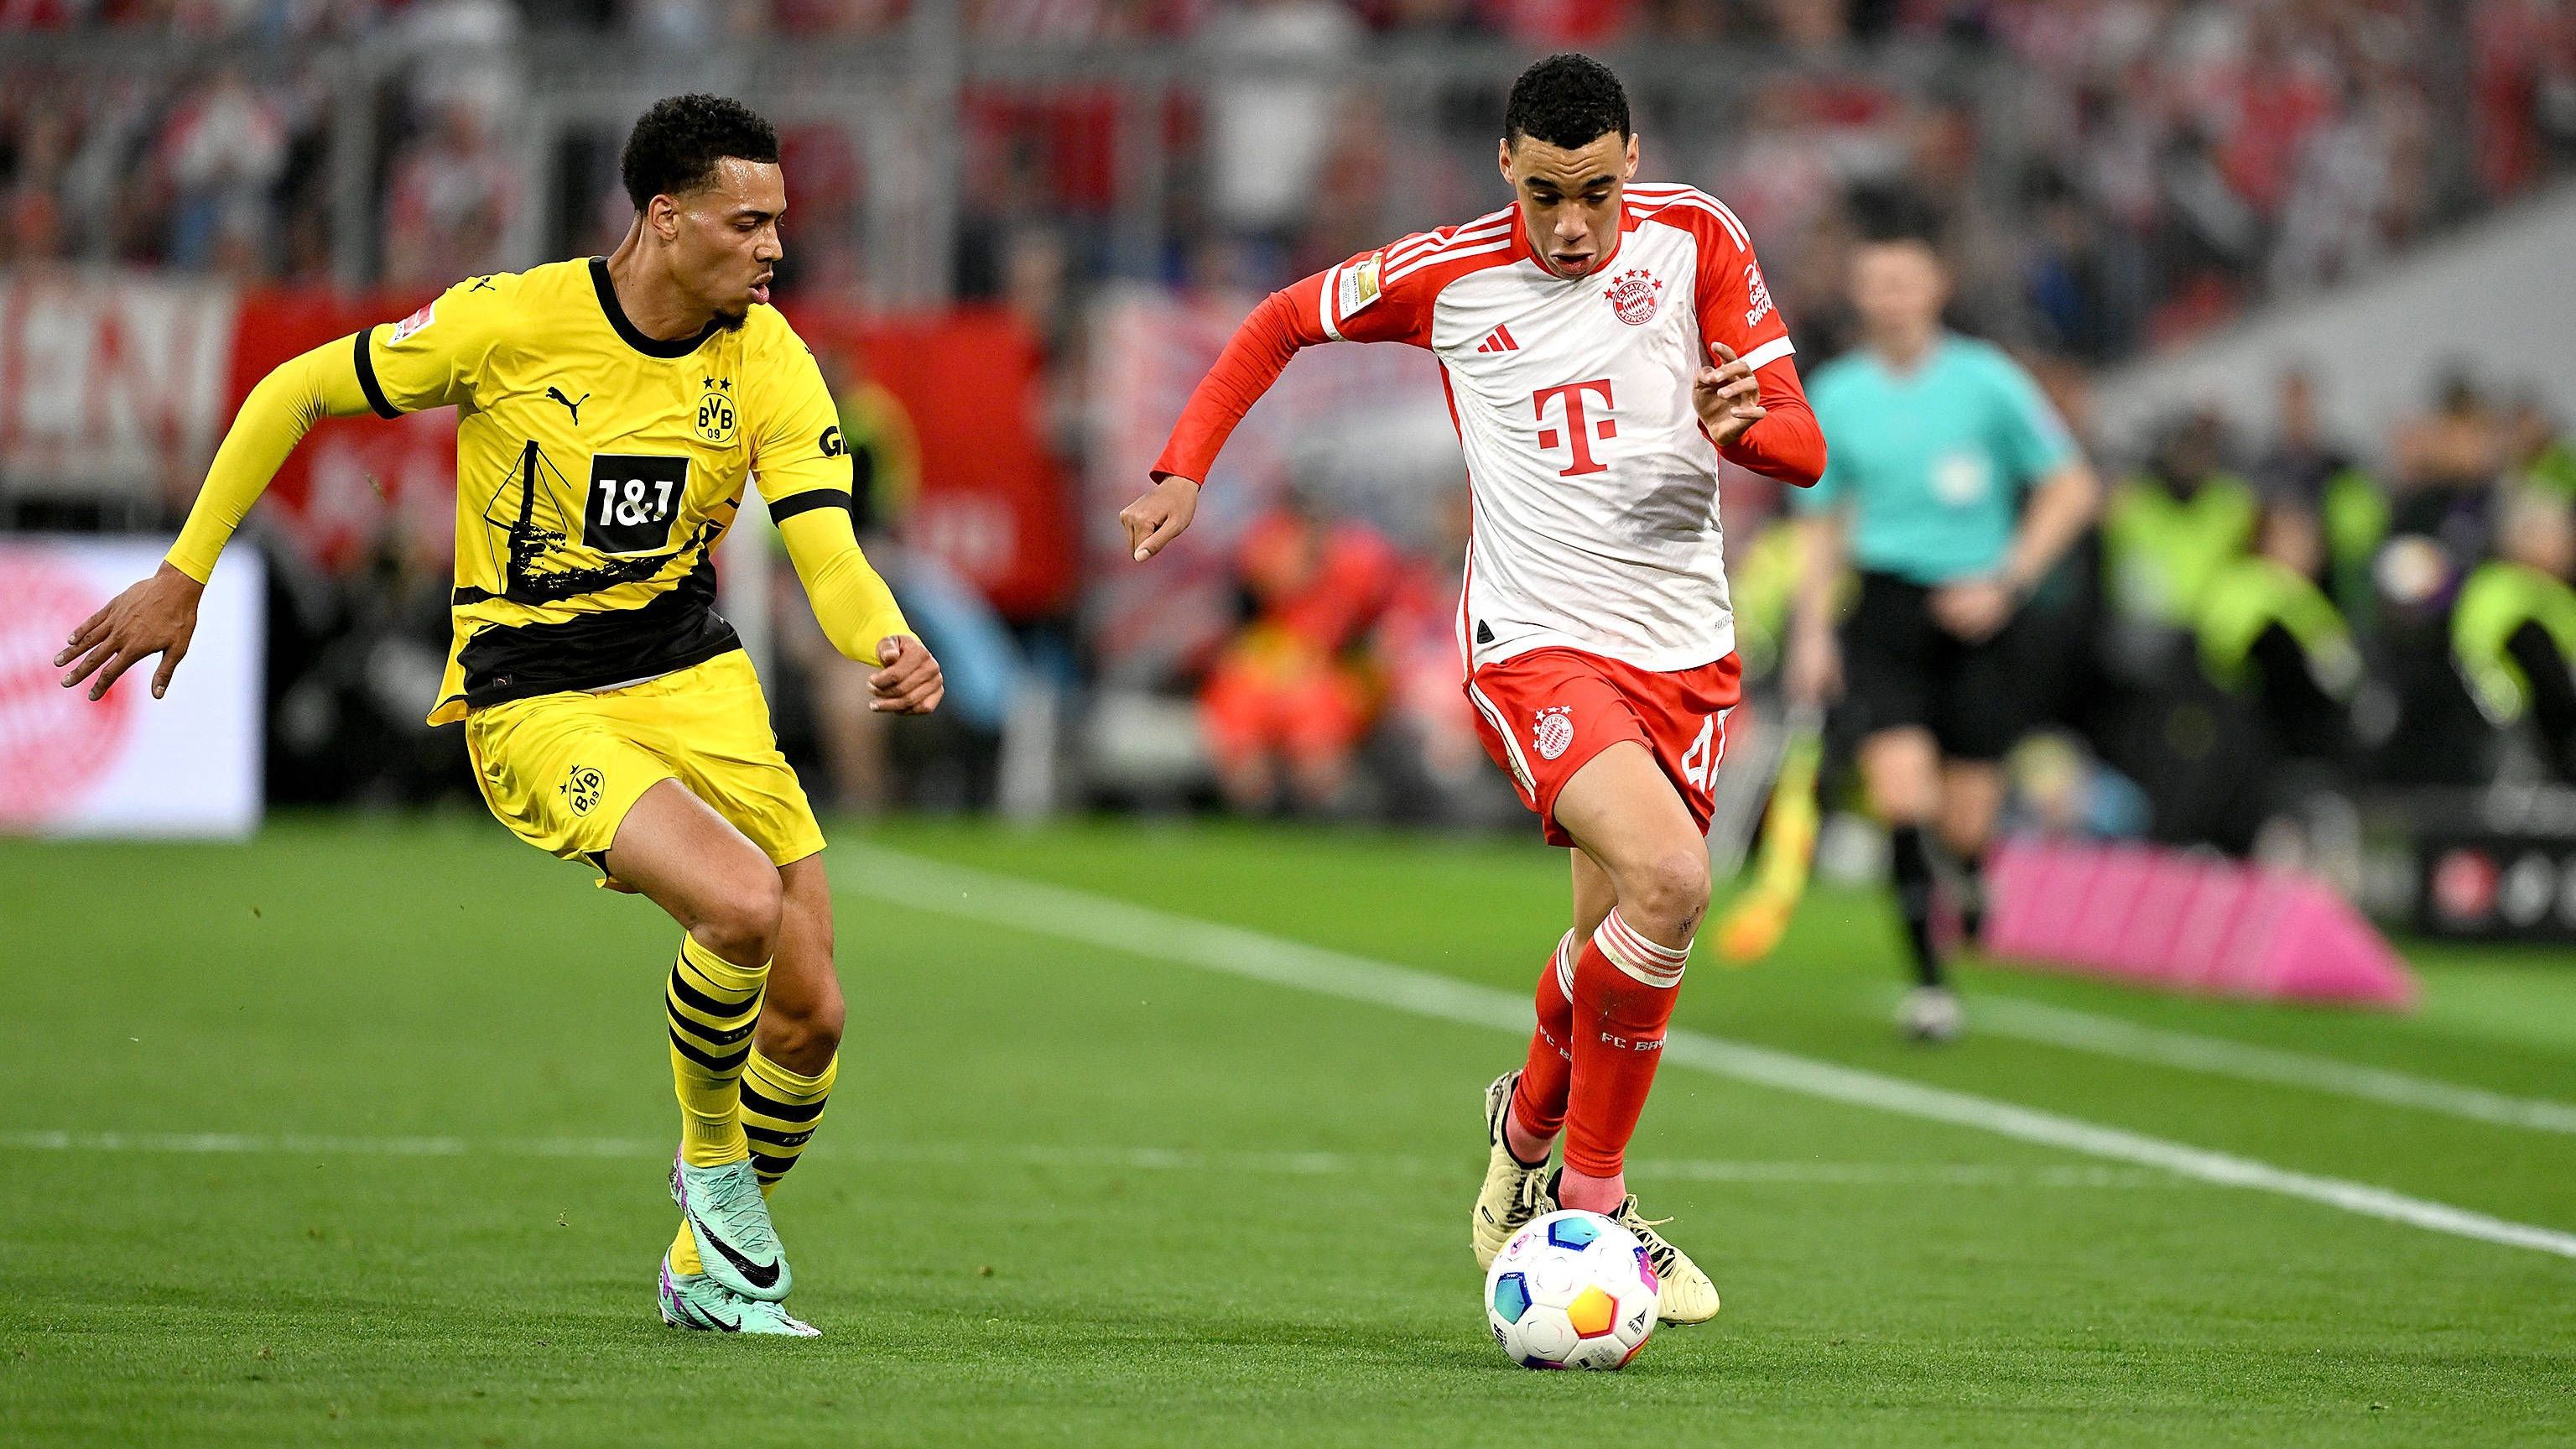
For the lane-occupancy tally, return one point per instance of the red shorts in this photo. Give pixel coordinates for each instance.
(1543, 715)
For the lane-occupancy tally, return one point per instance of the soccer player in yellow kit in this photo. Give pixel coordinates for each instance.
(609, 414)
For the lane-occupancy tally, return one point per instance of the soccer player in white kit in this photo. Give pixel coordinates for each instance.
(1602, 344)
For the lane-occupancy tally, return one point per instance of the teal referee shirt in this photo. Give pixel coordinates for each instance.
(1931, 463)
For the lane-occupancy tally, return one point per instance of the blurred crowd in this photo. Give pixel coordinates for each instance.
(2104, 176)
(2264, 631)
(2111, 172)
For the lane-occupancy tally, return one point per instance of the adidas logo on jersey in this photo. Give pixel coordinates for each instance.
(1499, 340)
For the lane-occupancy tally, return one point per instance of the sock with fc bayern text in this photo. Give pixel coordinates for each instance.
(1624, 990)
(1911, 862)
(780, 1110)
(1538, 1099)
(712, 1005)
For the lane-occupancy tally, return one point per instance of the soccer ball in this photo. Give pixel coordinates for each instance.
(1573, 1290)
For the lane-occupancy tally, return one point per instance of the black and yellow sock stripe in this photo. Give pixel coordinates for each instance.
(780, 1110)
(711, 1006)
(712, 1019)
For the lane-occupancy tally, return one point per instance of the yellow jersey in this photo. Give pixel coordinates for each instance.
(595, 469)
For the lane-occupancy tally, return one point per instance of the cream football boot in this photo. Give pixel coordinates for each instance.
(1512, 1194)
(1683, 1292)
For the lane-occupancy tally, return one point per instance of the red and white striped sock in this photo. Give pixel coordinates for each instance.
(1624, 990)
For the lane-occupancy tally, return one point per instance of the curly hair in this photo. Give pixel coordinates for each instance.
(675, 146)
(1568, 100)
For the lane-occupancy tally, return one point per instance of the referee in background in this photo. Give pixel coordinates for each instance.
(1954, 487)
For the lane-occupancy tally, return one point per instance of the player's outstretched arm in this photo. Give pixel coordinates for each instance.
(159, 615)
(1347, 303)
(858, 612)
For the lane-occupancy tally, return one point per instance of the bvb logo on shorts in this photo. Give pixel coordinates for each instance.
(1555, 731)
(582, 787)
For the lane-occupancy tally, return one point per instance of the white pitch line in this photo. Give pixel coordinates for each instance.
(1120, 926)
(2109, 1036)
(1150, 1159)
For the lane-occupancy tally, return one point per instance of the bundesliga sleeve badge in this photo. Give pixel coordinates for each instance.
(1359, 285)
(413, 323)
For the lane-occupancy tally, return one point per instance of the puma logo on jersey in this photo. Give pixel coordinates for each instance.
(572, 405)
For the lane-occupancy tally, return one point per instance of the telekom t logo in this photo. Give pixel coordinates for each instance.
(1577, 436)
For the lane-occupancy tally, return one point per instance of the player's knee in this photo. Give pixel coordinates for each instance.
(743, 925)
(804, 1035)
(1670, 891)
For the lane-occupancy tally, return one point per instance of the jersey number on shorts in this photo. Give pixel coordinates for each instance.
(1699, 762)
(633, 497)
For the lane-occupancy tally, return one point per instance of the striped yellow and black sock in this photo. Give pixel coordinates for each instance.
(780, 1110)
(713, 1006)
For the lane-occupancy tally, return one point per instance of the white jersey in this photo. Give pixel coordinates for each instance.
(1594, 486)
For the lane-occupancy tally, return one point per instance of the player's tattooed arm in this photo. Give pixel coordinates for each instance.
(1160, 516)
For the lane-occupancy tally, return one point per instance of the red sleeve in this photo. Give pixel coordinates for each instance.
(1734, 301)
(1788, 444)
(1735, 309)
(1347, 303)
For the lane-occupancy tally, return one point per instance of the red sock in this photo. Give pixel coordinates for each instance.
(1538, 1102)
(1624, 989)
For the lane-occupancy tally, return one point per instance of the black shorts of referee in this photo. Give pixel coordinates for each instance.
(1901, 668)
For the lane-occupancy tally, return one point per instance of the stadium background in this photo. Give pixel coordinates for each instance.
(1182, 1048)
(1020, 231)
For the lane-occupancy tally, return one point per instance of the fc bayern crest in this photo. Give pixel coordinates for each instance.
(1556, 729)
(1633, 295)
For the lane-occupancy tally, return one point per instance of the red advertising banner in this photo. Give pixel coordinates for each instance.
(121, 385)
(993, 501)
(110, 386)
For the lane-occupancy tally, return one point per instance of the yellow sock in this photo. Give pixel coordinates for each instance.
(780, 1109)
(713, 1006)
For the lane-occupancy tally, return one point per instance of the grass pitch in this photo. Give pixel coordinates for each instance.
(355, 1134)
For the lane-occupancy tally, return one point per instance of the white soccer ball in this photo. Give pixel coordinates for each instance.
(1573, 1290)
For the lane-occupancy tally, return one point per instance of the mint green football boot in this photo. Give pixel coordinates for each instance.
(729, 1220)
(697, 1301)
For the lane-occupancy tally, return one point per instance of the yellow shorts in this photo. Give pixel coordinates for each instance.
(562, 770)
